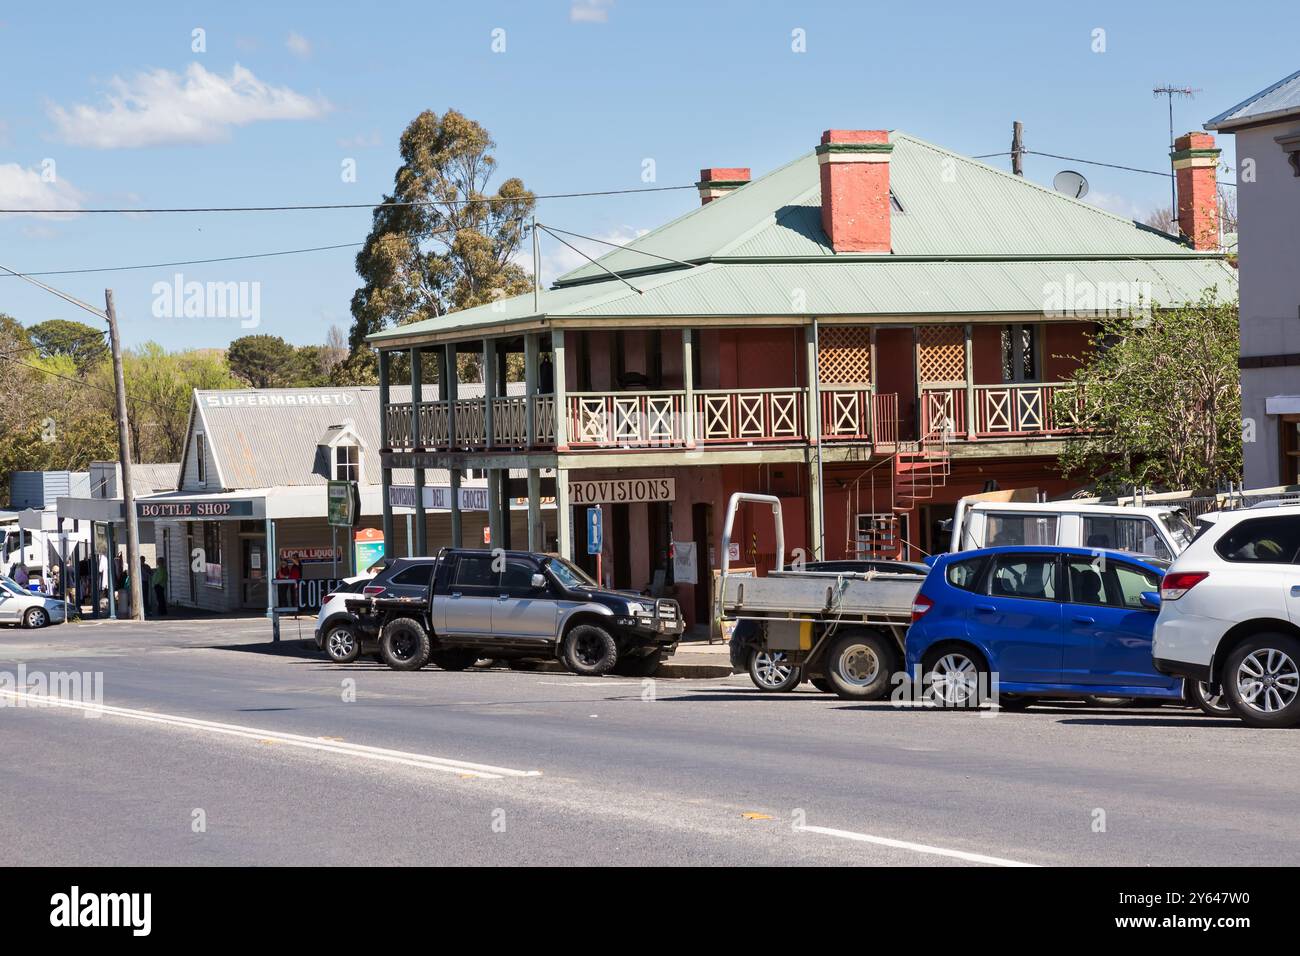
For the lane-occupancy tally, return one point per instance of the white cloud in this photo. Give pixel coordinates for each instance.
(298, 45)
(162, 108)
(590, 11)
(22, 188)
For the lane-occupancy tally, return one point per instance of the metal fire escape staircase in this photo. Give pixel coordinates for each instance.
(918, 469)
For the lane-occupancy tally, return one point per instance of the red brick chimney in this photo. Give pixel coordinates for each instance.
(1196, 164)
(855, 188)
(719, 181)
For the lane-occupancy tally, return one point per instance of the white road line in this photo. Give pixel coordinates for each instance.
(362, 751)
(915, 847)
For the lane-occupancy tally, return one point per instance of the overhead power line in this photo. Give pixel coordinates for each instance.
(349, 205)
(1091, 162)
(188, 262)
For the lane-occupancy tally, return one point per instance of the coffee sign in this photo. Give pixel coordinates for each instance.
(622, 490)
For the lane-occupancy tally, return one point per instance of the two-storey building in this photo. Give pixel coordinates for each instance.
(1267, 130)
(869, 332)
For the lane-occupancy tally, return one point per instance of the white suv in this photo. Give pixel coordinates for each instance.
(1230, 614)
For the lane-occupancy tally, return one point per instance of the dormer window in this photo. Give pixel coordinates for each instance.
(347, 463)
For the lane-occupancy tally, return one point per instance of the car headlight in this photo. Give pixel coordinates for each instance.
(637, 609)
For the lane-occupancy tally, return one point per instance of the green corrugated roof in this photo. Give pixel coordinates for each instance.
(951, 206)
(969, 239)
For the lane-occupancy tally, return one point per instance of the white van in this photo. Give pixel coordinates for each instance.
(1158, 531)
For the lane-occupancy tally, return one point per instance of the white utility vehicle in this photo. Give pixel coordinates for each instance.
(1158, 531)
(1230, 613)
(843, 630)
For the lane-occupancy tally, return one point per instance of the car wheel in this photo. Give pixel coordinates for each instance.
(771, 671)
(1261, 679)
(404, 644)
(646, 665)
(859, 666)
(36, 617)
(341, 644)
(954, 677)
(589, 650)
(1198, 694)
(454, 659)
(823, 684)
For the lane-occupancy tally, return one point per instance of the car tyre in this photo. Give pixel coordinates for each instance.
(770, 672)
(404, 644)
(589, 651)
(36, 617)
(955, 677)
(860, 665)
(1261, 679)
(1198, 694)
(342, 645)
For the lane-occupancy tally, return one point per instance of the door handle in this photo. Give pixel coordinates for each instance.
(1084, 620)
(455, 594)
(503, 597)
(985, 608)
(1295, 590)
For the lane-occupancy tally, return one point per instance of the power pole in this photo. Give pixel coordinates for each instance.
(124, 452)
(1017, 147)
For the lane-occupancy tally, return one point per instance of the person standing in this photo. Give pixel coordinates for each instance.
(20, 576)
(159, 583)
(146, 592)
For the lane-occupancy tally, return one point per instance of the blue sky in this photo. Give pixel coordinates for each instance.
(584, 91)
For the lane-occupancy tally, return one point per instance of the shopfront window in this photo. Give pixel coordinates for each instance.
(212, 554)
(1289, 432)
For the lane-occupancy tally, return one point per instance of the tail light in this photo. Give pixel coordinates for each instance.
(920, 606)
(1177, 583)
(373, 589)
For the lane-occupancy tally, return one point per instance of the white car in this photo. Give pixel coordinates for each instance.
(28, 608)
(336, 633)
(1159, 531)
(1230, 614)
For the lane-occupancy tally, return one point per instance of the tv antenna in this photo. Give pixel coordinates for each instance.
(1169, 92)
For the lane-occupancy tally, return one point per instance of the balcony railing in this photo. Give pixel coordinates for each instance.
(753, 415)
(1012, 410)
(658, 419)
(626, 419)
(509, 422)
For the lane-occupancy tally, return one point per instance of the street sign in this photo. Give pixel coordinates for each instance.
(595, 531)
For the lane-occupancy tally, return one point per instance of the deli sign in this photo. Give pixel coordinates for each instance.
(232, 508)
(621, 490)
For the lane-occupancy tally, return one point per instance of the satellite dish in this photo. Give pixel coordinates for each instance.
(1071, 183)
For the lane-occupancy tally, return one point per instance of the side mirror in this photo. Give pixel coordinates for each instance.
(1150, 600)
(538, 581)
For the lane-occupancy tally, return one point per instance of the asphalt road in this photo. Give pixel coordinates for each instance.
(216, 747)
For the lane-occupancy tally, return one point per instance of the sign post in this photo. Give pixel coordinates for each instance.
(596, 539)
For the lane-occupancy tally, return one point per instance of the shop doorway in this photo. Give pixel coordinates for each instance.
(620, 545)
(253, 568)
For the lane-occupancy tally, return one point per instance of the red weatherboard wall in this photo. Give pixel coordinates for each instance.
(1059, 343)
(751, 358)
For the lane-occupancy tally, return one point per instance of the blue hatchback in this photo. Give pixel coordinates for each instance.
(1047, 621)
